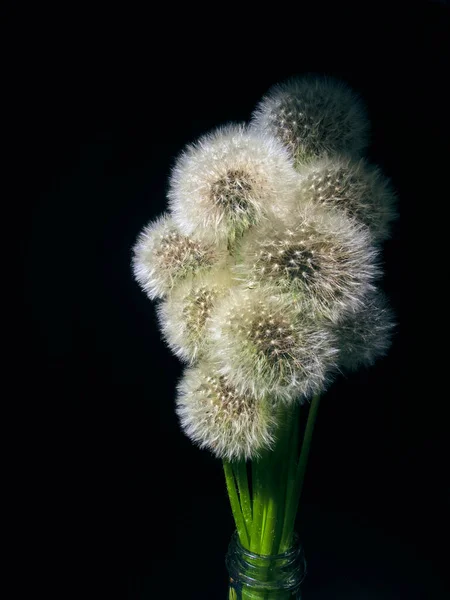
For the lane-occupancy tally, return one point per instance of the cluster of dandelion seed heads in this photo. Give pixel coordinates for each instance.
(216, 416)
(319, 256)
(184, 315)
(163, 256)
(228, 181)
(313, 117)
(267, 346)
(354, 187)
(266, 264)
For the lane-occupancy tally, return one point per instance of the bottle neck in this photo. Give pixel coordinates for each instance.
(265, 573)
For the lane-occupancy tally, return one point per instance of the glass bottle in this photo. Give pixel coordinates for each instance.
(262, 577)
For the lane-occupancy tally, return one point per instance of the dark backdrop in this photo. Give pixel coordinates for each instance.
(109, 101)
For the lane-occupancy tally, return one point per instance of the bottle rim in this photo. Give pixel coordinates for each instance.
(294, 549)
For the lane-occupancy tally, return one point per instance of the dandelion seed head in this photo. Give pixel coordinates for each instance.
(228, 181)
(365, 335)
(327, 259)
(184, 314)
(163, 257)
(214, 415)
(355, 187)
(267, 346)
(314, 116)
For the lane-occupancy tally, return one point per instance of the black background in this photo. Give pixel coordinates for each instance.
(108, 101)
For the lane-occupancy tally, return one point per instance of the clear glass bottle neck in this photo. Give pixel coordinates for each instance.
(279, 575)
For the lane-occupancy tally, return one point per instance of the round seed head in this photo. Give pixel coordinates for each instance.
(266, 345)
(365, 335)
(357, 188)
(184, 315)
(227, 181)
(319, 256)
(214, 415)
(163, 257)
(314, 116)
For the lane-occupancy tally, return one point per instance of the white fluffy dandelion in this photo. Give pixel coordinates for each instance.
(163, 257)
(356, 187)
(184, 314)
(365, 335)
(214, 415)
(266, 264)
(314, 116)
(227, 181)
(266, 345)
(319, 256)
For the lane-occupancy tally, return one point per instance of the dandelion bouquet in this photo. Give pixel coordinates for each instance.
(265, 269)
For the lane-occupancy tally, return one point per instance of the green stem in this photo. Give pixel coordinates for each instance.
(240, 473)
(291, 473)
(271, 475)
(235, 505)
(271, 505)
(258, 507)
(275, 485)
(286, 450)
(269, 483)
(295, 490)
(307, 443)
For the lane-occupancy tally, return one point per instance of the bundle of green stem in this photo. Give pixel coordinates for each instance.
(265, 516)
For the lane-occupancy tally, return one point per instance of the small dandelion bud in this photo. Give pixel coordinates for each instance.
(319, 256)
(227, 181)
(163, 257)
(267, 346)
(314, 116)
(365, 335)
(185, 313)
(355, 187)
(214, 415)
